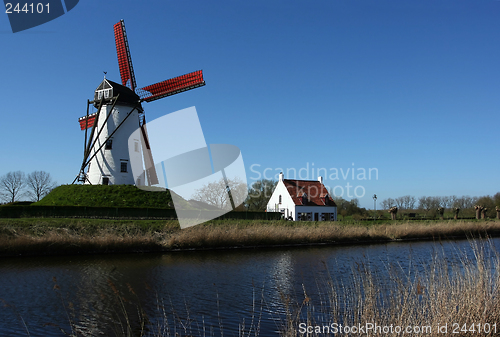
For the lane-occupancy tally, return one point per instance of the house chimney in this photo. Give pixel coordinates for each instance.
(320, 179)
(281, 176)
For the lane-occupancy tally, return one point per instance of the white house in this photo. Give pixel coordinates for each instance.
(302, 200)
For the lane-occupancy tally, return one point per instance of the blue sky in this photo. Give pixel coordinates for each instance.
(410, 88)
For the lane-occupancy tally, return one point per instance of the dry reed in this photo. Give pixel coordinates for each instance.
(64, 236)
(443, 299)
(275, 233)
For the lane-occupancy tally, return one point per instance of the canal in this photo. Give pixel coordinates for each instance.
(200, 293)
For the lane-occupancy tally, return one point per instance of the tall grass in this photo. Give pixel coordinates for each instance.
(77, 236)
(255, 233)
(444, 296)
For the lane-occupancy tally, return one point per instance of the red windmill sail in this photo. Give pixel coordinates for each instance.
(172, 86)
(87, 123)
(123, 53)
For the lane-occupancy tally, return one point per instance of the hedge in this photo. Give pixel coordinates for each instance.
(22, 211)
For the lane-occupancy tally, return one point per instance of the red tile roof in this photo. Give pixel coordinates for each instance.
(314, 190)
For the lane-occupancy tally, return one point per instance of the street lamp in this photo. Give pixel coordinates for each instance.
(375, 206)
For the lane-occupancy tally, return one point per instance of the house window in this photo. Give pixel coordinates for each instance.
(123, 167)
(105, 180)
(136, 146)
(109, 144)
(280, 200)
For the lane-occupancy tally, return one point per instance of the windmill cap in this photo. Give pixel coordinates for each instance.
(112, 89)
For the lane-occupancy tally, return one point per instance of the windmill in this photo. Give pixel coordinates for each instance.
(119, 113)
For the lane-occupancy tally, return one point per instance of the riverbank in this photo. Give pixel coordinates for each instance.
(35, 236)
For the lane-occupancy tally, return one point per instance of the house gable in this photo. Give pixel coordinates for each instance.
(286, 199)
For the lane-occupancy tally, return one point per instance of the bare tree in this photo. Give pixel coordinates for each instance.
(412, 202)
(400, 202)
(12, 185)
(465, 202)
(428, 203)
(216, 193)
(444, 202)
(39, 184)
(407, 202)
(470, 201)
(459, 202)
(478, 209)
(453, 200)
(489, 205)
(394, 212)
(441, 212)
(388, 203)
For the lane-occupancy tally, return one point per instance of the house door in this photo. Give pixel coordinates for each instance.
(316, 217)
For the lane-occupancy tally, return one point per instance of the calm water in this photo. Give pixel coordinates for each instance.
(196, 291)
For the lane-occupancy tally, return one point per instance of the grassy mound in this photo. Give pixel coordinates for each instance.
(106, 196)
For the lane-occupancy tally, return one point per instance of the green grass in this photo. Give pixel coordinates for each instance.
(86, 226)
(106, 196)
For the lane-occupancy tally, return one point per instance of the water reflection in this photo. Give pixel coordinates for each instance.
(282, 273)
(193, 291)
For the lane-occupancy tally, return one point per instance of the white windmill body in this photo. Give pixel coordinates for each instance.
(110, 163)
(106, 158)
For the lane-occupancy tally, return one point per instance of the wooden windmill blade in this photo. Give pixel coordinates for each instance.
(172, 86)
(123, 53)
(148, 156)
